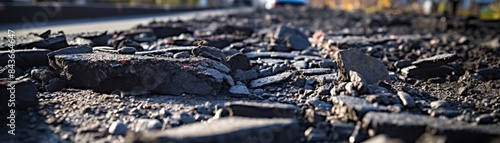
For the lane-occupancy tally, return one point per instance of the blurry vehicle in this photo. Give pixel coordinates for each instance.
(269, 4)
(266, 4)
(243, 2)
(290, 2)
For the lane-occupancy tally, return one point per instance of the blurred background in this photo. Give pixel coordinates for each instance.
(11, 11)
(483, 9)
(183, 3)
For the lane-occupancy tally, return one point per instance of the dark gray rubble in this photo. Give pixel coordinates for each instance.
(158, 75)
(319, 75)
(435, 66)
(425, 128)
(270, 79)
(230, 129)
(261, 110)
(25, 59)
(20, 93)
(352, 108)
(370, 68)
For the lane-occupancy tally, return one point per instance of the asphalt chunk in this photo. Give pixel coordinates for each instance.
(410, 127)
(156, 74)
(230, 129)
(372, 69)
(261, 110)
(270, 79)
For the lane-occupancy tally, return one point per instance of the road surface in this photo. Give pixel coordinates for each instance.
(110, 24)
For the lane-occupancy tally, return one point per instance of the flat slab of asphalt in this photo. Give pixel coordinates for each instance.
(111, 24)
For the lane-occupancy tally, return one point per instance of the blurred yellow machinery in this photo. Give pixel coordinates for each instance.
(365, 5)
(492, 12)
(488, 10)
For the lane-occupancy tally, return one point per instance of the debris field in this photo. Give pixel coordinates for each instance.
(290, 74)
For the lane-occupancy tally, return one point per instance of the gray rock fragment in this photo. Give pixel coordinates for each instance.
(440, 104)
(383, 99)
(229, 80)
(370, 68)
(325, 78)
(426, 72)
(147, 125)
(43, 74)
(127, 50)
(185, 118)
(218, 76)
(258, 91)
(450, 113)
(50, 43)
(210, 52)
(489, 73)
(171, 122)
(352, 108)
(239, 61)
(327, 63)
(156, 74)
(117, 128)
(402, 63)
(435, 61)
(231, 129)
(316, 71)
(183, 54)
(278, 55)
(219, 66)
(270, 79)
(414, 126)
(71, 50)
(300, 65)
(245, 75)
(261, 110)
(96, 39)
(435, 66)
(279, 68)
(485, 119)
(406, 99)
(25, 59)
(291, 37)
(25, 93)
(319, 104)
(55, 84)
(358, 81)
(165, 112)
(239, 90)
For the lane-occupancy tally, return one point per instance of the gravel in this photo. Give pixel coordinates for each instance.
(317, 74)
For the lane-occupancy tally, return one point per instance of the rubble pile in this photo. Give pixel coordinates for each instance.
(291, 74)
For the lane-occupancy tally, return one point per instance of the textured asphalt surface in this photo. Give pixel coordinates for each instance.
(111, 24)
